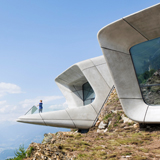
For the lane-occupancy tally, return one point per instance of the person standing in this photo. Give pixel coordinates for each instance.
(40, 106)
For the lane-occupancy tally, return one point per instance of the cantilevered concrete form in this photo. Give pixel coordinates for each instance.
(134, 38)
(86, 86)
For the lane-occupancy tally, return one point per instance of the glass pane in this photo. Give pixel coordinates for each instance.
(87, 102)
(85, 95)
(88, 93)
(146, 60)
(32, 110)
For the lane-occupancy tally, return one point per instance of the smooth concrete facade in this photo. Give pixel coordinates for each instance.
(96, 72)
(117, 68)
(116, 40)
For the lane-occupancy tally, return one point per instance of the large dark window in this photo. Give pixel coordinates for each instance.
(88, 94)
(146, 60)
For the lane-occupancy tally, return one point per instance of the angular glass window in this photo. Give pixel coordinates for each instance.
(146, 60)
(88, 94)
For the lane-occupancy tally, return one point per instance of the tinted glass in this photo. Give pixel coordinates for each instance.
(146, 60)
(88, 94)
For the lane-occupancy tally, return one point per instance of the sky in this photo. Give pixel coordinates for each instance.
(39, 39)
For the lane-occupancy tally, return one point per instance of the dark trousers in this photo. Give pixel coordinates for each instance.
(40, 110)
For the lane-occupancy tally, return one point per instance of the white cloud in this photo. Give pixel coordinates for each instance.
(3, 102)
(3, 106)
(59, 106)
(35, 101)
(8, 88)
(10, 112)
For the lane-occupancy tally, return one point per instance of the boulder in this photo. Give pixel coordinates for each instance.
(97, 123)
(100, 130)
(102, 125)
(47, 138)
(126, 119)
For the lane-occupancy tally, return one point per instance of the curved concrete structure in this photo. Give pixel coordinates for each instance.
(94, 72)
(116, 40)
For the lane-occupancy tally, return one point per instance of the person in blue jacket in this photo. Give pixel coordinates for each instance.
(40, 106)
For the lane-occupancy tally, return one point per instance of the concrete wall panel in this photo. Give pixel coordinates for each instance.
(82, 113)
(114, 36)
(115, 40)
(37, 122)
(146, 22)
(83, 124)
(135, 109)
(104, 71)
(99, 86)
(153, 114)
(123, 74)
(85, 64)
(98, 60)
(55, 115)
(60, 123)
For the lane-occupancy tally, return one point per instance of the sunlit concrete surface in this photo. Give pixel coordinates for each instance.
(115, 40)
(80, 113)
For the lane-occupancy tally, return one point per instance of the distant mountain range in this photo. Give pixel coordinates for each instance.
(14, 135)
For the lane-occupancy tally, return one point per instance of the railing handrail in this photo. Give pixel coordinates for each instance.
(30, 109)
(113, 87)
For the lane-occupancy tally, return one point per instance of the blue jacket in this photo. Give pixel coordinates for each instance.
(40, 105)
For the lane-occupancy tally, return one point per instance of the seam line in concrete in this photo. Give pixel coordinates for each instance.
(42, 119)
(93, 65)
(145, 114)
(71, 119)
(103, 105)
(77, 92)
(102, 77)
(115, 50)
(135, 29)
(93, 108)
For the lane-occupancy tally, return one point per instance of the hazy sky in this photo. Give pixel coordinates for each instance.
(39, 39)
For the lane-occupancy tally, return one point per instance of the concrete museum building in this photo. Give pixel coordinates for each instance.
(131, 63)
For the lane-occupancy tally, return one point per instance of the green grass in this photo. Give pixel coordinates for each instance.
(29, 151)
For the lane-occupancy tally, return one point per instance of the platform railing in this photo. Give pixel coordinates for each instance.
(46, 108)
(32, 110)
(113, 87)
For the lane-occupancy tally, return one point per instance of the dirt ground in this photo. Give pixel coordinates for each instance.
(123, 141)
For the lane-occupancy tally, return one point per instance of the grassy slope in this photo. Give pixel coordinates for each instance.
(138, 142)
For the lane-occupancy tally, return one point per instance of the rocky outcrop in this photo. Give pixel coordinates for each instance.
(50, 148)
(114, 136)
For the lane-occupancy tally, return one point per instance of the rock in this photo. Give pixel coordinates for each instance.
(106, 130)
(135, 125)
(157, 156)
(53, 140)
(114, 111)
(125, 157)
(125, 119)
(103, 146)
(97, 123)
(128, 128)
(102, 125)
(100, 130)
(109, 123)
(47, 138)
